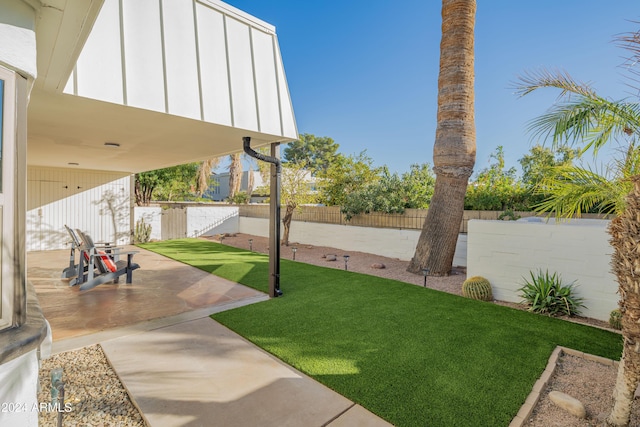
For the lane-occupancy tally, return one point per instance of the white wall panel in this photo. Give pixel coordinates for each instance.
(152, 216)
(197, 59)
(211, 220)
(216, 102)
(241, 72)
(266, 82)
(95, 202)
(506, 251)
(183, 89)
(99, 67)
(389, 242)
(144, 69)
(19, 386)
(289, 128)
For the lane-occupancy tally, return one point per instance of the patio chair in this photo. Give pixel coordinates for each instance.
(72, 270)
(102, 266)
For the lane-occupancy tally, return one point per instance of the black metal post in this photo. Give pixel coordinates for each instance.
(274, 212)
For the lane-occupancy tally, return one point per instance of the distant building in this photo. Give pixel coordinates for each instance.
(219, 189)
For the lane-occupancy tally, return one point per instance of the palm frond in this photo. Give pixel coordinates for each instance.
(580, 115)
(558, 79)
(575, 190)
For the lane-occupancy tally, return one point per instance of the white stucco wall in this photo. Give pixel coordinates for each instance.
(506, 251)
(387, 242)
(152, 216)
(210, 220)
(18, 47)
(18, 391)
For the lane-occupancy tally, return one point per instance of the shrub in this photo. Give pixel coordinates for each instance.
(615, 319)
(240, 198)
(545, 294)
(477, 287)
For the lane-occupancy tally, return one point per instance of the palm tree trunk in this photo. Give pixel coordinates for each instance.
(454, 150)
(625, 239)
(235, 174)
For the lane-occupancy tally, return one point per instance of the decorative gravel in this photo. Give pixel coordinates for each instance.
(94, 395)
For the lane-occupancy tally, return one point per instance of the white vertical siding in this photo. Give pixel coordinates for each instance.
(144, 69)
(200, 59)
(99, 67)
(216, 101)
(183, 88)
(286, 108)
(95, 202)
(265, 75)
(241, 71)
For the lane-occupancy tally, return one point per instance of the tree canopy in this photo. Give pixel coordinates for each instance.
(168, 184)
(316, 153)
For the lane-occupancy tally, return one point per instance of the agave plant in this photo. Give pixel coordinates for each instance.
(545, 294)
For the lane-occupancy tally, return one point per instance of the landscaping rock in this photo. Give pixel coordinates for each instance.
(378, 265)
(568, 403)
(330, 257)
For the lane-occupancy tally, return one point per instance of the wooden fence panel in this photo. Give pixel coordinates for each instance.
(411, 219)
(174, 223)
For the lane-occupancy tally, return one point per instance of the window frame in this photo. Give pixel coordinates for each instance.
(7, 192)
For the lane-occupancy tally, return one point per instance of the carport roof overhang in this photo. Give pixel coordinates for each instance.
(71, 131)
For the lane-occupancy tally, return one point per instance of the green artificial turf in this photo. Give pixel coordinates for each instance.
(412, 355)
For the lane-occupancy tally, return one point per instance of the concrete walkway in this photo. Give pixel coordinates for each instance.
(187, 370)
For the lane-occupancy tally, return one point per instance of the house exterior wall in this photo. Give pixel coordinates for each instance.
(505, 252)
(19, 387)
(18, 47)
(200, 59)
(96, 202)
(18, 344)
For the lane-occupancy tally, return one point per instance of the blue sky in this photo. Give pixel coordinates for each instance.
(365, 72)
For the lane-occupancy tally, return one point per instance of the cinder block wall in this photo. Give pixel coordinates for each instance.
(506, 251)
(388, 242)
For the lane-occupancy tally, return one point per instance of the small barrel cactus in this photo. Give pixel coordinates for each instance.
(477, 287)
(615, 319)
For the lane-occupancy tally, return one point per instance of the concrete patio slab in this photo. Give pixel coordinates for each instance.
(180, 367)
(201, 373)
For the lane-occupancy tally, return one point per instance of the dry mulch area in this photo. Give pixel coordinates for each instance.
(589, 381)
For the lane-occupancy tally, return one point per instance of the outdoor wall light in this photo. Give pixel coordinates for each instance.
(251, 244)
(294, 250)
(425, 273)
(346, 260)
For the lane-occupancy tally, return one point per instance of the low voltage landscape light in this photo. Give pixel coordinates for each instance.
(425, 273)
(346, 260)
(251, 244)
(294, 250)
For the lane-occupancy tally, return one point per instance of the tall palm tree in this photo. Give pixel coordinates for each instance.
(204, 174)
(454, 151)
(583, 117)
(235, 174)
